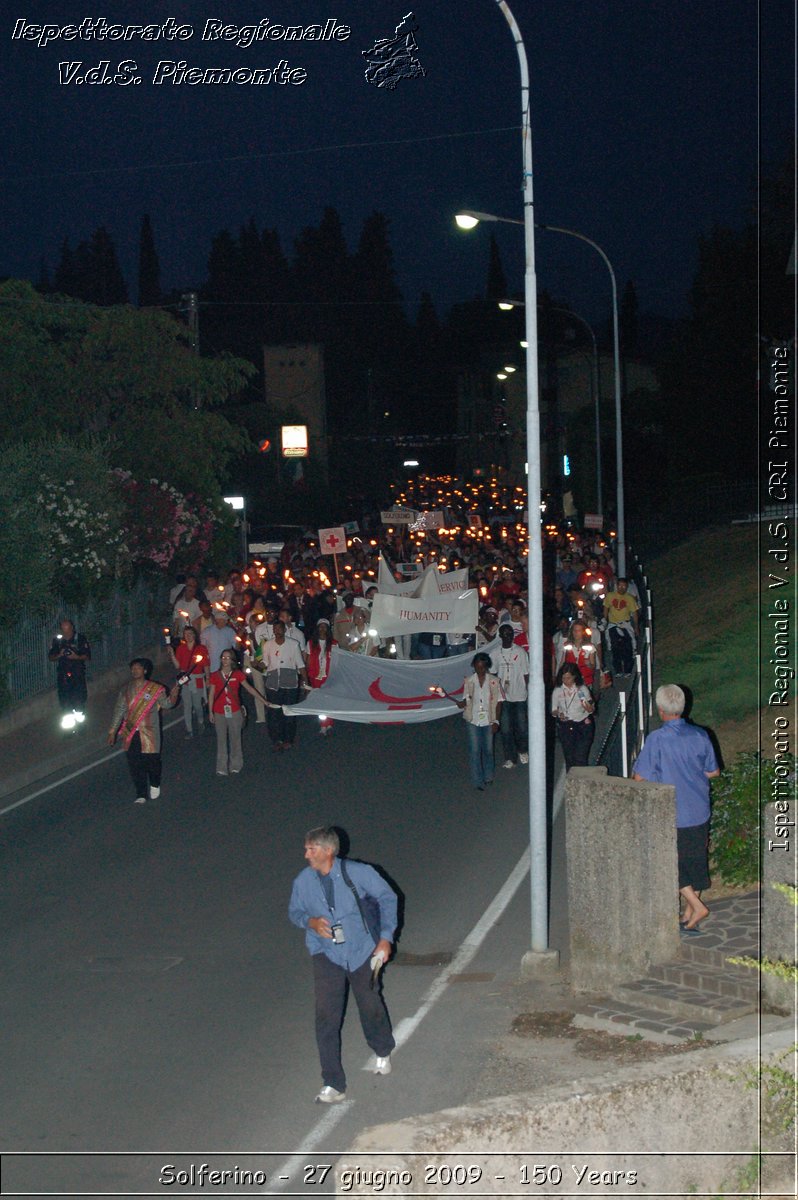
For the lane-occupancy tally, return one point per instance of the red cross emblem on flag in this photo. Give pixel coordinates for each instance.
(332, 541)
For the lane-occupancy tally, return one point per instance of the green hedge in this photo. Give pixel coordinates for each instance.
(738, 796)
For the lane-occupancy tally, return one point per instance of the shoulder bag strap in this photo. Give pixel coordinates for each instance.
(353, 889)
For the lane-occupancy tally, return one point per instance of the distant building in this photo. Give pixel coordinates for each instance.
(294, 386)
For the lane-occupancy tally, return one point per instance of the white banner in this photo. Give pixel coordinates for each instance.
(398, 516)
(383, 691)
(429, 520)
(388, 585)
(396, 615)
(443, 583)
(431, 582)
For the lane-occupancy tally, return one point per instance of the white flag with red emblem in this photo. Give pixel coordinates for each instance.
(377, 691)
(332, 541)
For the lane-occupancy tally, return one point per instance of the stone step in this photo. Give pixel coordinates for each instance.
(682, 1002)
(698, 950)
(735, 982)
(640, 1021)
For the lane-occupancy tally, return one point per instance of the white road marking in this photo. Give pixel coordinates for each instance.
(75, 774)
(406, 1028)
(322, 1128)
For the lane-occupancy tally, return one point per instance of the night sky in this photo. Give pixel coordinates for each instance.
(649, 118)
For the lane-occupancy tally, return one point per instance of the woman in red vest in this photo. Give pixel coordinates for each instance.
(583, 653)
(224, 712)
(191, 658)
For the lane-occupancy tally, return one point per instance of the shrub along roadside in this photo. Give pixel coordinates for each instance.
(738, 796)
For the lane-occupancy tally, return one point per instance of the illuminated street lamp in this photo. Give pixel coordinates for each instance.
(469, 220)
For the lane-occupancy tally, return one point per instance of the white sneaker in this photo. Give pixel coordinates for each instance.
(328, 1095)
(523, 758)
(383, 1065)
(508, 765)
(140, 800)
(154, 792)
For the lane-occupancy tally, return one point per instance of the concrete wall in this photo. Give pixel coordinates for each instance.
(623, 878)
(778, 914)
(683, 1124)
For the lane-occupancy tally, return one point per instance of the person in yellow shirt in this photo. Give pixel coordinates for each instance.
(621, 613)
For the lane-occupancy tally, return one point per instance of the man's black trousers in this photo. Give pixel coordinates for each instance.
(331, 983)
(143, 767)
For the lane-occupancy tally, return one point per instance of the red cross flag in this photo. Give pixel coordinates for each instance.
(332, 541)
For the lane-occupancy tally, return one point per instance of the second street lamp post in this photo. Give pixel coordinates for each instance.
(616, 350)
(468, 220)
(595, 386)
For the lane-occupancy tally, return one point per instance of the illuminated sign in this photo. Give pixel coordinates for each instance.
(295, 441)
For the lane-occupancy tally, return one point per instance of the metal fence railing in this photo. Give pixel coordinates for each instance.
(116, 628)
(629, 721)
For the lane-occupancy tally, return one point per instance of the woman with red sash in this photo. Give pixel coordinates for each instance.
(137, 719)
(224, 712)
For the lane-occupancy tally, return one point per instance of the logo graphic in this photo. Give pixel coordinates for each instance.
(392, 59)
(376, 693)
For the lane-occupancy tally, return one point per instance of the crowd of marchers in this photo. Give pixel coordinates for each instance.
(266, 629)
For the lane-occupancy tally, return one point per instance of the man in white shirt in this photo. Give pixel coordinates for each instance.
(284, 669)
(510, 663)
(292, 632)
(186, 607)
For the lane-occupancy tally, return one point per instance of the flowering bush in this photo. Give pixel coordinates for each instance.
(86, 542)
(163, 528)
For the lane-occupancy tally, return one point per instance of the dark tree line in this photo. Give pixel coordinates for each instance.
(389, 375)
(385, 375)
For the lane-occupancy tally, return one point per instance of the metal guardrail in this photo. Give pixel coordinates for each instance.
(116, 628)
(629, 723)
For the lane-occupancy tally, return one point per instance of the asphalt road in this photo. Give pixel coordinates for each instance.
(156, 998)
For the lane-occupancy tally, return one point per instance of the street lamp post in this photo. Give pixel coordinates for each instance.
(507, 306)
(616, 350)
(467, 220)
(539, 958)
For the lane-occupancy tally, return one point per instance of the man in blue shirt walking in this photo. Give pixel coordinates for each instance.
(683, 755)
(344, 952)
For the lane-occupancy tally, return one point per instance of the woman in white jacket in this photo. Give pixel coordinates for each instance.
(572, 707)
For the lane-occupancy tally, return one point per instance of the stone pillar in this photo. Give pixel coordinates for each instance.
(623, 879)
(778, 913)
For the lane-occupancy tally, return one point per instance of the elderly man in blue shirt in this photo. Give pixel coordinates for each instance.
(329, 900)
(682, 754)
